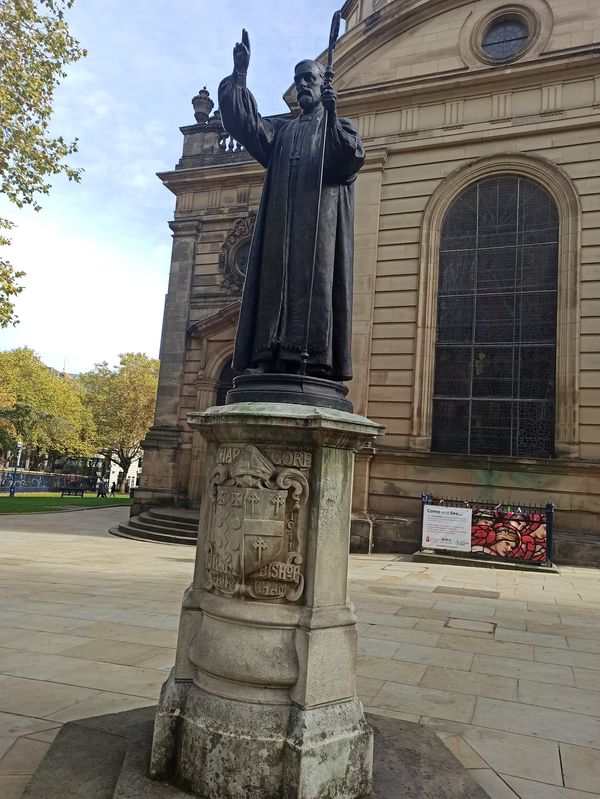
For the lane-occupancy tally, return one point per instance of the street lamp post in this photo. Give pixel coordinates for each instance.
(13, 487)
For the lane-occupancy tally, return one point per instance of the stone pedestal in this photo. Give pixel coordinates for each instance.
(261, 703)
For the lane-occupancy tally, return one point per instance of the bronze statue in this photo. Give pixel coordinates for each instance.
(296, 314)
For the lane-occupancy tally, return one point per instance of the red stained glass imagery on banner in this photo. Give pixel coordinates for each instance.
(509, 534)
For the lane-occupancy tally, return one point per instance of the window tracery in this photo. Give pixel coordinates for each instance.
(494, 381)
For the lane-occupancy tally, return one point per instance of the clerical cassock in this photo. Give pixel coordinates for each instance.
(275, 304)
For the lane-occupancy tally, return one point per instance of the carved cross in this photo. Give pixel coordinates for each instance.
(253, 499)
(259, 546)
(278, 501)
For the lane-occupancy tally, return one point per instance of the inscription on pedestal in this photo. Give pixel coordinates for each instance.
(255, 541)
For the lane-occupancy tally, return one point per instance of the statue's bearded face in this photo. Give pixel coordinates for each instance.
(308, 79)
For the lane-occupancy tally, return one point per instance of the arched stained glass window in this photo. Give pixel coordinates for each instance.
(494, 383)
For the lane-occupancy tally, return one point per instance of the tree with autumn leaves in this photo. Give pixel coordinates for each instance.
(105, 411)
(43, 409)
(35, 48)
(121, 401)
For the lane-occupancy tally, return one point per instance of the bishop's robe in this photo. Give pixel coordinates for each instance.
(275, 302)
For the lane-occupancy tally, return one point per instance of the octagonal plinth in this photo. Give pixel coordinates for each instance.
(261, 703)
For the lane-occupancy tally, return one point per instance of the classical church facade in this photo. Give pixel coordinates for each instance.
(477, 278)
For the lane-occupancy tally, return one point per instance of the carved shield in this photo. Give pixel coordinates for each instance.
(263, 526)
(225, 547)
(254, 541)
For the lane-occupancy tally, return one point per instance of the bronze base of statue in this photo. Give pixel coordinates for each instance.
(284, 388)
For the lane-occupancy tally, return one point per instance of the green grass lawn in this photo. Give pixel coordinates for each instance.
(41, 503)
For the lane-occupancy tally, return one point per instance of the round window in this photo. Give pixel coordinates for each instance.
(241, 258)
(505, 38)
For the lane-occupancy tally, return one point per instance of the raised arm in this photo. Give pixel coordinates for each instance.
(241, 54)
(239, 112)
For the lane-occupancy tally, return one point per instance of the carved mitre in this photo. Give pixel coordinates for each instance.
(233, 257)
(251, 467)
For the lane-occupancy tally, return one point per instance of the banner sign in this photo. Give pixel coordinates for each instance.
(487, 530)
(447, 528)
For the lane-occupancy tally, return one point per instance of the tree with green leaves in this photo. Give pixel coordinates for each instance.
(8, 434)
(35, 48)
(43, 409)
(122, 400)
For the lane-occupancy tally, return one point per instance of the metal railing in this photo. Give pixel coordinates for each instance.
(514, 531)
(25, 481)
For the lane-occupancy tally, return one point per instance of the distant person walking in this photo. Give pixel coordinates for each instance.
(113, 489)
(101, 489)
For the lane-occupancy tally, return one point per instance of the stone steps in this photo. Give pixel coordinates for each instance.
(145, 521)
(123, 531)
(179, 515)
(162, 526)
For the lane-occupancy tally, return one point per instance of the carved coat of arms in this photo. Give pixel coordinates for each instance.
(253, 546)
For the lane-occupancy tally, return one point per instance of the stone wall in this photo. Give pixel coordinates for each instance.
(434, 117)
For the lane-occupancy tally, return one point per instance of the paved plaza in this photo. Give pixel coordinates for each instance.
(505, 666)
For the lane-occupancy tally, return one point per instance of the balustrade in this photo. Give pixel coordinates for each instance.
(227, 144)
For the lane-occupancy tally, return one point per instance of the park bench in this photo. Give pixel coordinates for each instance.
(72, 492)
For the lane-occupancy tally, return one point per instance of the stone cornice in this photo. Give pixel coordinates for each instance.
(385, 98)
(440, 86)
(161, 437)
(348, 7)
(376, 156)
(202, 178)
(180, 181)
(185, 226)
(212, 215)
(300, 424)
(437, 137)
(216, 322)
(494, 463)
(205, 383)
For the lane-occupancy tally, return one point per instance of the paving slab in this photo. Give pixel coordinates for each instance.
(450, 661)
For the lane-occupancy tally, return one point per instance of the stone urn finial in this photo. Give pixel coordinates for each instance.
(203, 105)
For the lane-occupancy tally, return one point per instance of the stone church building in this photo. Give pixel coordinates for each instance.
(477, 266)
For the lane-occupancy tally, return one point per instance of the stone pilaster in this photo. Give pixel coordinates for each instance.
(261, 703)
(205, 398)
(159, 484)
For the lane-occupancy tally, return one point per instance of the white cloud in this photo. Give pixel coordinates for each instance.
(85, 300)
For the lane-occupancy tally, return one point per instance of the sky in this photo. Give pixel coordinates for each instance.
(97, 256)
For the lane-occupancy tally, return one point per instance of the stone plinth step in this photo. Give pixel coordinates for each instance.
(411, 762)
(106, 757)
(133, 782)
(86, 758)
(429, 556)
